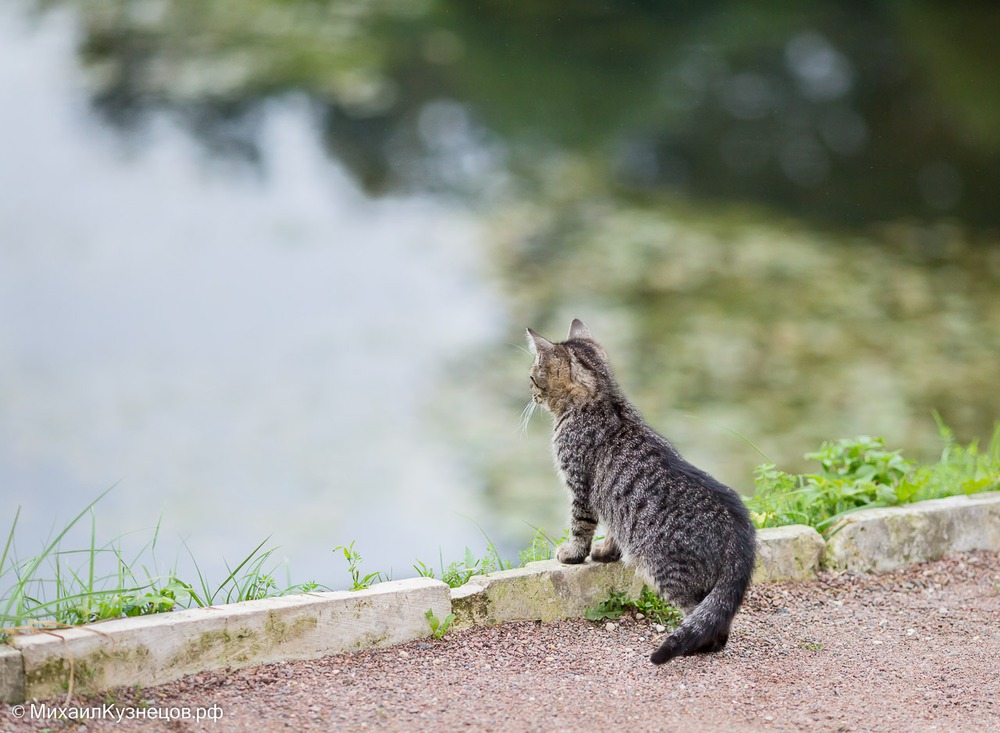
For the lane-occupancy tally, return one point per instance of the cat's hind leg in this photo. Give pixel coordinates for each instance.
(606, 550)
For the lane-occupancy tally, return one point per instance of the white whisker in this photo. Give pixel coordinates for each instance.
(526, 414)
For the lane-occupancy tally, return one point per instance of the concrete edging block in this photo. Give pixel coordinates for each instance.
(878, 540)
(150, 650)
(540, 591)
(11, 675)
(792, 552)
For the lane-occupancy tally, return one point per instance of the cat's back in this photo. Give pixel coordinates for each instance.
(641, 480)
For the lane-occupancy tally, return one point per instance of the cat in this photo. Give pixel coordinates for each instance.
(687, 533)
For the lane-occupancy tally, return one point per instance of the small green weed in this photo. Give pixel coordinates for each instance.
(459, 572)
(648, 603)
(616, 606)
(423, 570)
(655, 608)
(438, 627)
(542, 546)
(354, 560)
(961, 469)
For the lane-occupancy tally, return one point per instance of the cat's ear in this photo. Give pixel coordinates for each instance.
(579, 331)
(538, 344)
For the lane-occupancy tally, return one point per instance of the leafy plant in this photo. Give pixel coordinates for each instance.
(861, 473)
(960, 470)
(354, 559)
(655, 608)
(438, 627)
(648, 603)
(863, 459)
(613, 608)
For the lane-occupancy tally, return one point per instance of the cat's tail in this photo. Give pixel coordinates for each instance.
(706, 628)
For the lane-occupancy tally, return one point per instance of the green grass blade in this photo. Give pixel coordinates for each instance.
(232, 573)
(34, 564)
(9, 543)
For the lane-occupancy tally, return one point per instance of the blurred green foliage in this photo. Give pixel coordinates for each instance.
(845, 113)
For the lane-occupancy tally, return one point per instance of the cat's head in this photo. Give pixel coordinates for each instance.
(568, 374)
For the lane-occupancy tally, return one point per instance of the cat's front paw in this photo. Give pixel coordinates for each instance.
(606, 551)
(571, 553)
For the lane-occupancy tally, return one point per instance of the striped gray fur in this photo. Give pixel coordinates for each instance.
(686, 532)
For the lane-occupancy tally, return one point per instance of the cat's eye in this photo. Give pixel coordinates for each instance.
(532, 378)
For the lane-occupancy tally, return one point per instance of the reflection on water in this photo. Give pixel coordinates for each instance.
(250, 354)
(280, 276)
(845, 114)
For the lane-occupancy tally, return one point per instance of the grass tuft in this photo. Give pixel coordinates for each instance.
(861, 473)
(69, 587)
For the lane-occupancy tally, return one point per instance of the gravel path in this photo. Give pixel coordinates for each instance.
(914, 650)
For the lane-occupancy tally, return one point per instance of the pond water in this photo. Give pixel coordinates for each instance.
(268, 272)
(243, 354)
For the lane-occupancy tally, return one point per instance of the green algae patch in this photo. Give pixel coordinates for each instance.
(277, 630)
(371, 639)
(242, 645)
(217, 644)
(471, 606)
(523, 598)
(89, 672)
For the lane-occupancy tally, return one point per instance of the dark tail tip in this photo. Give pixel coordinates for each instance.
(667, 651)
(676, 646)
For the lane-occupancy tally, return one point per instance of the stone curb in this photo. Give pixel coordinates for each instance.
(549, 590)
(11, 675)
(793, 552)
(540, 591)
(878, 540)
(150, 650)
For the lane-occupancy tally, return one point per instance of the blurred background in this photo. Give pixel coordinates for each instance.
(266, 265)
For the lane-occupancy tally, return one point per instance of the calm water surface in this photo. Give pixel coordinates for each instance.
(268, 273)
(244, 353)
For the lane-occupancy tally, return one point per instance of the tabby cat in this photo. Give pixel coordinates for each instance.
(684, 531)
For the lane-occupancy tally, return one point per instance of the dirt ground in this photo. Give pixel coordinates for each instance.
(913, 650)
